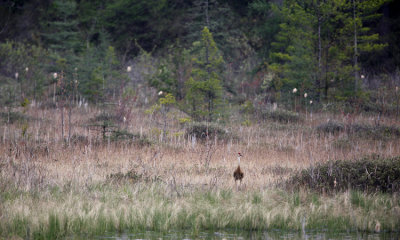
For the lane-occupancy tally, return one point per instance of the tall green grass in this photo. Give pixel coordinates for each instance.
(118, 208)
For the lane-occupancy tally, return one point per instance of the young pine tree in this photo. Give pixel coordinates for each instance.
(293, 59)
(204, 87)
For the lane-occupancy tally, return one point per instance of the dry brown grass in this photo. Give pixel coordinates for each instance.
(52, 188)
(271, 151)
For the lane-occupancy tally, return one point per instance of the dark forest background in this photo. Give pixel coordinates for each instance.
(202, 55)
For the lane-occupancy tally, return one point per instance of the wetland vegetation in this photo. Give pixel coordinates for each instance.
(126, 117)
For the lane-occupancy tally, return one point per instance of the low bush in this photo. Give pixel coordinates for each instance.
(369, 174)
(103, 117)
(281, 115)
(342, 143)
(132, 176)
(13, 117)
(202, 129)
(331, 127)
(123, 135)
(129, 176)
(118, 135)
(79, 139)
(361, 130)
(374, 131)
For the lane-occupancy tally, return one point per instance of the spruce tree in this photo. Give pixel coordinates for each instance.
(293, 59)
(60, 27)
(355, 36)
(61, 36)
(204, 87)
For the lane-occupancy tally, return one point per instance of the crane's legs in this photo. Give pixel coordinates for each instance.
(238, 186)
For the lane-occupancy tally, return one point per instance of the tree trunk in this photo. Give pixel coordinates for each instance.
(69, 121)
(207, 43)
(62, 122)
(207, 18)
(326, 74)
(318, 82)
(355, 48)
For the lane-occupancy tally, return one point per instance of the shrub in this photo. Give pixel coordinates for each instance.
(202, 129)
(342, 143)
(368, 174)
(132, 175)
(361, 130)
(281, 115)
(331, 127)
(103, 117)
(374, 131)
(13, 117)
(79, 139)
(247, 107)
(48, 105)
(120, 135)
(123, 135)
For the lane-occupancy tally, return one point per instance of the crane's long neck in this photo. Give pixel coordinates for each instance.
(239, 160)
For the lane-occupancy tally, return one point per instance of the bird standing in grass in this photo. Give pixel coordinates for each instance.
(238, 174)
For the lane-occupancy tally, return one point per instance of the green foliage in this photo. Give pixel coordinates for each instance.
(126, 20)
(204, 130)
(13, 117)
(123, 135)
(281, 115)
(319, 47)
(247, 107)
(131, 176)
(163, 107)
(61, 27)
(29, 62)
(367, 174)
(24, 129)
(168, 100)
(380, 132)
(265, 25)
(99, 74)
(173, 71)
(293, 59)
(93, 87)
(204, 88)
(331, 127)
(313, 33)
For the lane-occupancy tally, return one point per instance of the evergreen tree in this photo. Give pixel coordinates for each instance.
(293, 57)
(204, 88)
(173, 71)
(61, 36)
(142, 21)
(219, 18)
(364, 40)
(99, 71)
(60, 27)
(353, 39)
(264, 25)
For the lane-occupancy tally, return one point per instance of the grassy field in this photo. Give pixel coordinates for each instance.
(89, 185)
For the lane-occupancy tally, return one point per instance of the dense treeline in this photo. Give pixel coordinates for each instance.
(204, 53)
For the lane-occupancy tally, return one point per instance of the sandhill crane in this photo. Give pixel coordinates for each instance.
(238, 174)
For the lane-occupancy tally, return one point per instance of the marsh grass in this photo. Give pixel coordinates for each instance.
(51, 189)
(141, 207)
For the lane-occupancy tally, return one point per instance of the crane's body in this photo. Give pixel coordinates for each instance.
(238, 173)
